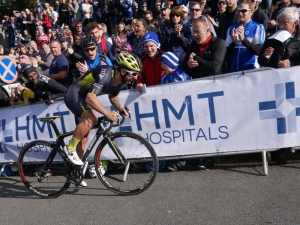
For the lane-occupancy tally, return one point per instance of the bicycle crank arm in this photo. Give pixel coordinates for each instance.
(126, 171)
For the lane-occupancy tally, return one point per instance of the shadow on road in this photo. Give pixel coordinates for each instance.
(13, 187)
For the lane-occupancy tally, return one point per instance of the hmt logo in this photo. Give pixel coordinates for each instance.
(285, 108)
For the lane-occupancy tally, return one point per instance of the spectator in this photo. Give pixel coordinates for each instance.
(42, 37)
(78, 29)
(148, 16)
(169, 64)
(216, 19)
(13, 53)
(68, 34)
(18, 37)
(46, 22)
(44, 88)
(54, 17)
(47, 8)
(91, 58)
(137, 42)
(195, 13)
(206, 53)
(77, 44)
(29, 22)
(63, 13)
(74, 11)
(127, 10)
(143, 9)
(176, 37)
(25, 40)
(259, 16)
(156, 13)
(205, 9)
(121, 34)
(46, 59)
(135, 13)
(105, 34)
(34, 51)
(282, 55)
(228, 18)
(56, 7)
(152, 71)
(22, 49)
(244, 39)
(103, 46)
(20, 95)
(165, 11)
(87, 10)
(10, 32)
(271, 26)
(60, 66)
(186, 13)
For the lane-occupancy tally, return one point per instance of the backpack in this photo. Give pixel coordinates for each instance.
(103, 46)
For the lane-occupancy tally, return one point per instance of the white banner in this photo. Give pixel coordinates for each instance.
(257, 110)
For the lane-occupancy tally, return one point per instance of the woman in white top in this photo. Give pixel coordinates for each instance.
(87, 10)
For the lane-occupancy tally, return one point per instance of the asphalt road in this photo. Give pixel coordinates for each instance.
(236, 195)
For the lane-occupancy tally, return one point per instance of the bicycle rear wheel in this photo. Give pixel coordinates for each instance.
(132, 178)
(47, 180)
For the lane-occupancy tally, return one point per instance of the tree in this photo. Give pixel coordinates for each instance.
(8, 6)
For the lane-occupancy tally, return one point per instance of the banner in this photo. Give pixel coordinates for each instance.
(233, 113)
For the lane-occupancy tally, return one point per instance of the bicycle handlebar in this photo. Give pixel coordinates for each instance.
(112, 124)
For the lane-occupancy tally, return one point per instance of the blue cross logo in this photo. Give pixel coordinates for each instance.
(284, 92)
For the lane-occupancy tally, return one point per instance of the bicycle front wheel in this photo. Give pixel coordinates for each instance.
(42, 178)
(130, 176)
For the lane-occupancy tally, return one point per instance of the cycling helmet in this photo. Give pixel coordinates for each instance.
(124, 47)
(88, 41)
(129, 61)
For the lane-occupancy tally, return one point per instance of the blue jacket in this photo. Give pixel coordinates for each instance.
(177, 76)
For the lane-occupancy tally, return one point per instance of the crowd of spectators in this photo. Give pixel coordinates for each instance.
(189, 39)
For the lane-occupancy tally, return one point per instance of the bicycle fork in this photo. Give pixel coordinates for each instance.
(119, 155)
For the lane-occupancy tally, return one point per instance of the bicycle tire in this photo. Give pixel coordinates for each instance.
(138, 152)
(48, 183)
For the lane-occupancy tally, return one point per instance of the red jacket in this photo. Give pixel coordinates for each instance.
(152, 71)
(47, 21)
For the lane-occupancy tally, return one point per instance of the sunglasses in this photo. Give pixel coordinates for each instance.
(221, 3)
(118, 52)
(197, 10)
(89, 49)
(243, 10)
(132, 73)
(173, 15)
(23, 57)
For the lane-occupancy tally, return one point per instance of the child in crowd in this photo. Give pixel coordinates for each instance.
(169, 63)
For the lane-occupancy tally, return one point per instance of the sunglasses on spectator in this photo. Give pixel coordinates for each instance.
(118, 52)
(173, 15)
(89, 49)
(23, 57)
(197, 10)
(223, 3)
(132, 73)
(243, 10)
(157, 4)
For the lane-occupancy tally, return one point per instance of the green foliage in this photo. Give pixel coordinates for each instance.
(8, 6)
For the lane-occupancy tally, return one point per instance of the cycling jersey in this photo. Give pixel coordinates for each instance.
(96, 81)
(243, 58)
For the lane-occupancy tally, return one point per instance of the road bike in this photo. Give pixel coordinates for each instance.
(119, 162)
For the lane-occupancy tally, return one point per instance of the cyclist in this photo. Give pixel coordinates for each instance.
(81, 99)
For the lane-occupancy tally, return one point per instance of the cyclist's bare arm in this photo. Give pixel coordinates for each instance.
(114, 100)
(92, 100)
